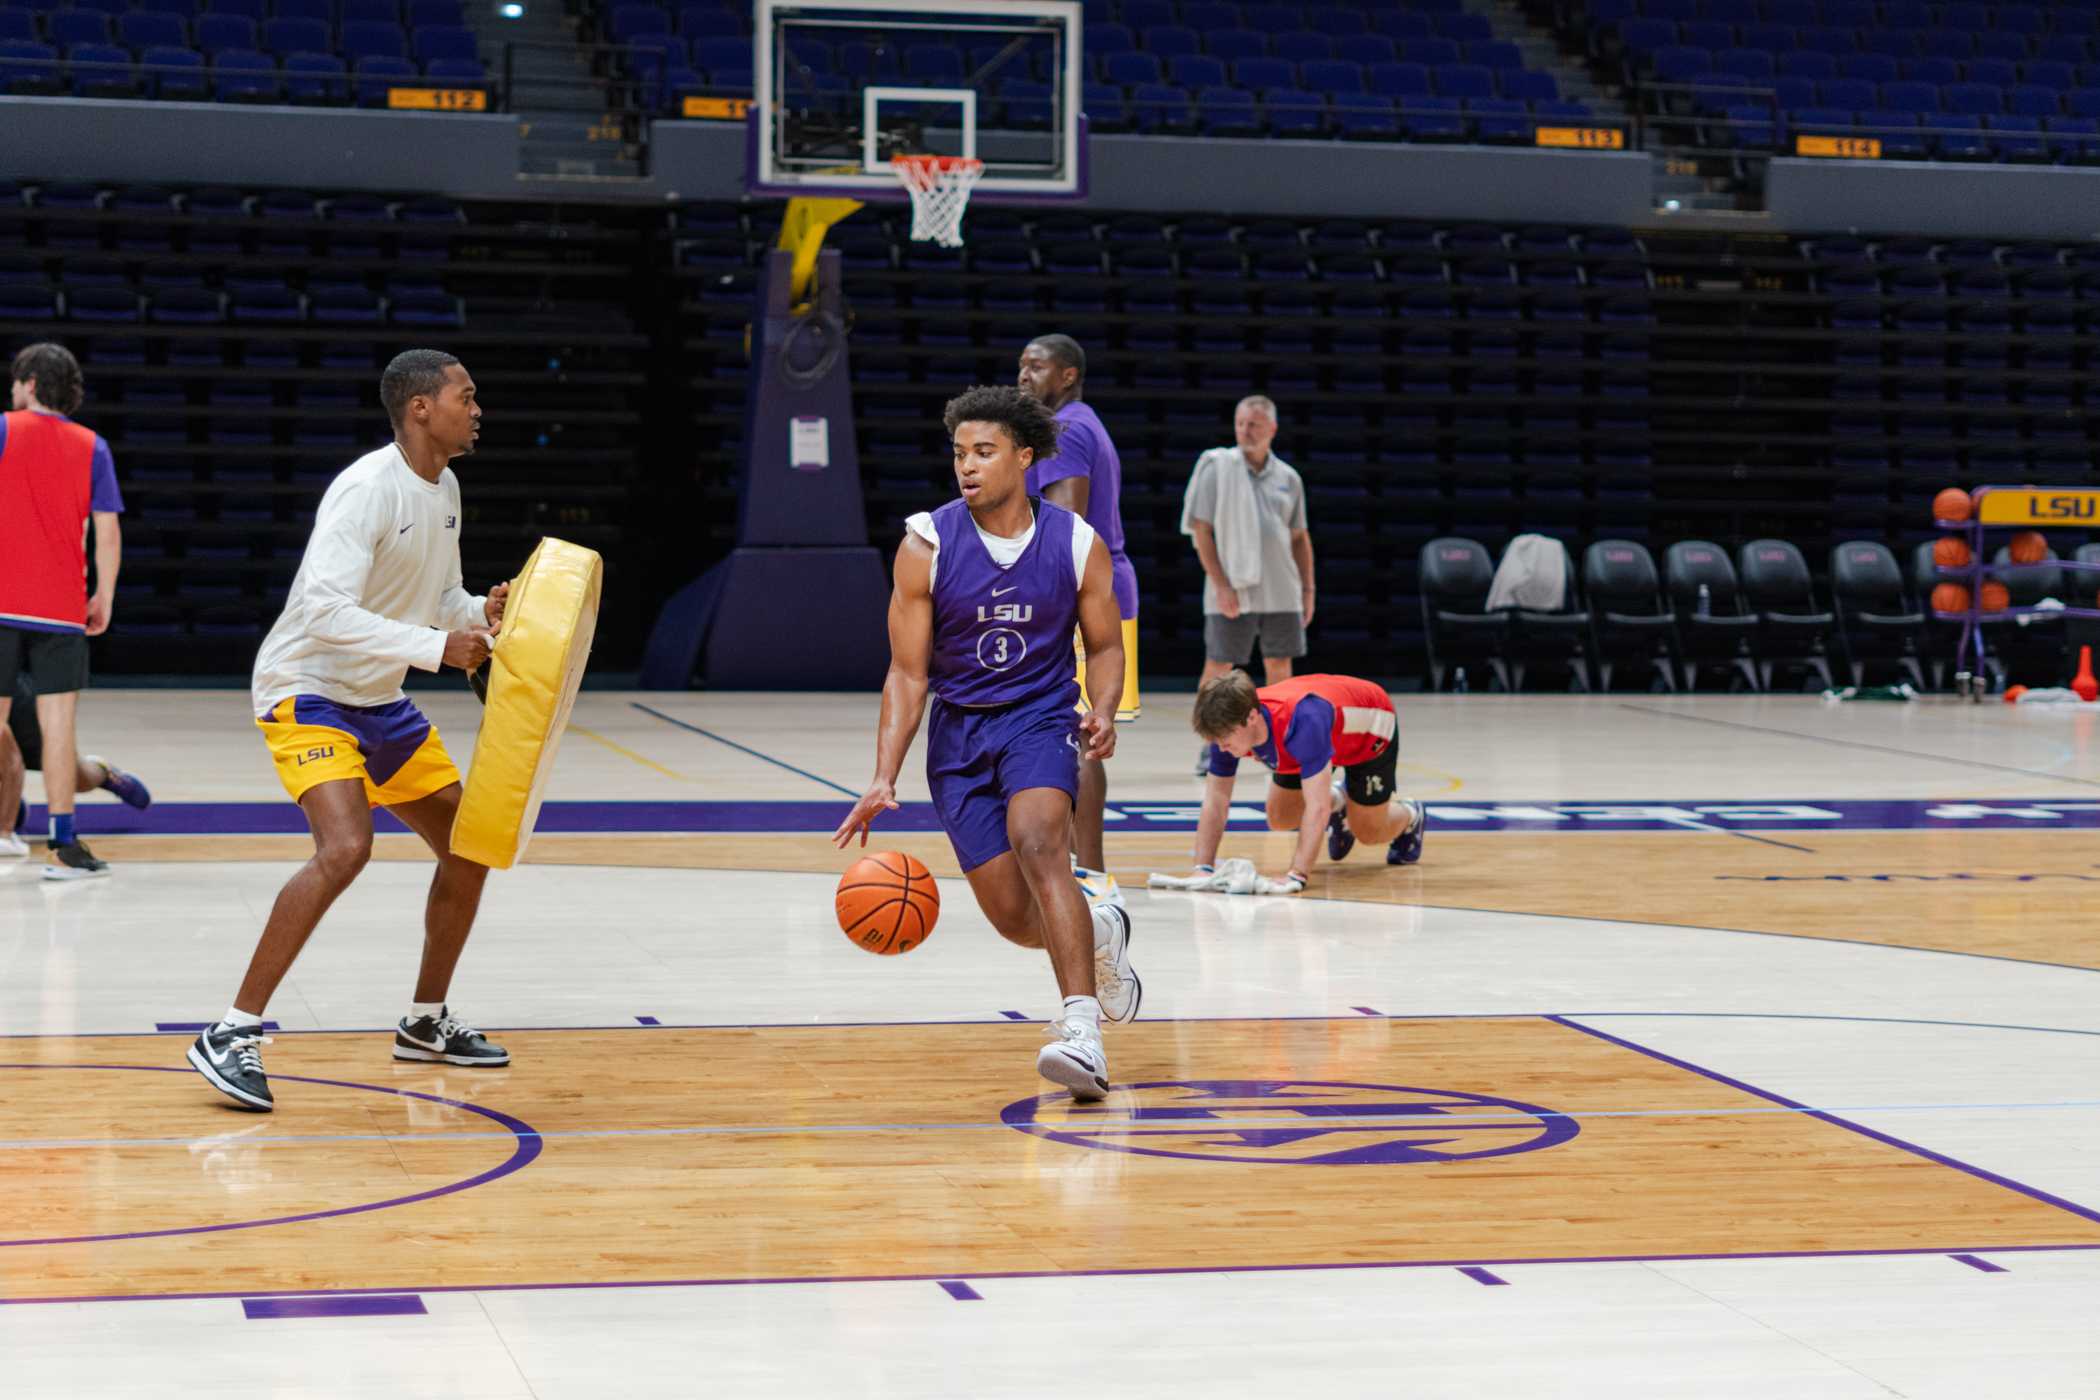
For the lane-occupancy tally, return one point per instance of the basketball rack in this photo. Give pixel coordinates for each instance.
(2009, 508)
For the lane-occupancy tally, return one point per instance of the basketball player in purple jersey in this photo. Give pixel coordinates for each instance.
(988, 589)
(1086, 478)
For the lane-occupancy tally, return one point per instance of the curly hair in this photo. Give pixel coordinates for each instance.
(1223, 705)
(59, 385)
(1026, 421)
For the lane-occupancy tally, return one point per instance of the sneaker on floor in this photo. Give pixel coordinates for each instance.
(1340, 839)
(1407, 846)
(73, 862)
(12, 845)
(1074, 1058)
(446, 1039)
(231, 1058)
(1116, 984)
(1098, 886)
(128, 789)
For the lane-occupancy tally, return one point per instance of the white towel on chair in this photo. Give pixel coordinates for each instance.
(1533, 574)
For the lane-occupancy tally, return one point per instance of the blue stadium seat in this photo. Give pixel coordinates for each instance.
(1144, 14)
(283, 36)
(1530, 85)
(1427, 52)
(1161, 108)
(1465, 80)
(2002, 48)
(470, 72)
(66, 28)
(28, 68)
(628, 22)
(101, 70)
(1195, 70)
(377, 73)
(219, 32)
(1236, 45)
(1750, 65)
(714, 53)
(1106, 107)
(372, 39)
(425, 12)
(1433, 119)
(1273, 18)
(1837, 42)
(1294, 112)
(1332, 75)
(321, 11)
(175, 74)
(1130, 69)
(2018, 138)
(1397, 79)
(1854, 94)
(2074, 49)
(1495, 53)
(2030, 100)
(1105, 39)
(18, 26)
(694, 21)
(1500, 120)
(243, 75)
(2049, 75)
(1576, 112)
(1258, 73)
(1973, 99)
(1910, 97)
(1788, 92)
(1870, 67)
(1961, 137)
(141, 29)
(1946, 43)
(360, 11)
(1645, 36)
(1680, 63)
(1816, 67)
(1464, 26)
(1210, 15)
(1227, 111)
(1897, 131)
(1167, 40)
(1336, 22)
(1403, 24)
(1302, 46)
(460, 45)
(1363, 116)
(1940, 72)
(2075, 138)
(1995, 71)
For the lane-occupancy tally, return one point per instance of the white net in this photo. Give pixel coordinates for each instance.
(940, 190)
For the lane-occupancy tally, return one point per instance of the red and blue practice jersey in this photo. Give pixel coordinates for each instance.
(53, 473)
(1319, 720)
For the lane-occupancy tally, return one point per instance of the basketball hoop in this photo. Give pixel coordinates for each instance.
(940, 191)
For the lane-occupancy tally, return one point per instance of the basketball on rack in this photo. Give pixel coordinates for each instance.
(1950, 598)
(1951, 552)
(1995, 597)
(2027, 547)
(1952, 504)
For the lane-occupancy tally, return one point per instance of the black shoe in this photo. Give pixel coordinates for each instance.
(231, 1058)
(73, 862)
(1340, 839)
(1407, 846)
(444, 1039)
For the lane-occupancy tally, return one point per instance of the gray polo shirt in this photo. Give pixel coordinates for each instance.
(1282, 496)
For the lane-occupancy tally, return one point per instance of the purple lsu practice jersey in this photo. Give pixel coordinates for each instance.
(1004, 636)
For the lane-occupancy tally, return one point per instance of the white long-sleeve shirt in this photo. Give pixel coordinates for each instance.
(378, 589)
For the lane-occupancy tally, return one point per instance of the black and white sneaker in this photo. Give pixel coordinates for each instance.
(447, 1040)
(1074, 1058)
(231, 1058)
(73, 862)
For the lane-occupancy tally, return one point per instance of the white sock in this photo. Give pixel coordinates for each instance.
(1083, 1008)
(236, 1017)
(417, 1010)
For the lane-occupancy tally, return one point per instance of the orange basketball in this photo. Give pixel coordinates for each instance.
(1951, 504)
(1950, 552)
(887, 903)
(2027, 547)
(1950, 598)
(1995, 598)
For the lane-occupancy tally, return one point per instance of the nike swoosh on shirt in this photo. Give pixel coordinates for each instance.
(1002, 592)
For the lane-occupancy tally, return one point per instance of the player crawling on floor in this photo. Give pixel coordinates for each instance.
(1332, 744)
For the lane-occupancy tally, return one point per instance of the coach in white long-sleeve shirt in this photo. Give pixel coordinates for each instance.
(379, 591)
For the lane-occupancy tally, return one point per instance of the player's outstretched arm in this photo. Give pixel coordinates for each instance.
(1318, 791)
(1210, 822)
(1101, 628)
(903, 689)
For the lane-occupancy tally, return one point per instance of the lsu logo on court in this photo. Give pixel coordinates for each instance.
(316, 755)
(1005, 612)
(1294, 1122)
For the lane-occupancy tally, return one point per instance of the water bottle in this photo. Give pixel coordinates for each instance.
(1706, 601)
(1458, 682)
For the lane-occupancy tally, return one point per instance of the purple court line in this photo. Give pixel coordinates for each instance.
(646, 1021)
(528, 1140)
(1367, 1011)
(364, 1305)
(1165, 1271)
(1940, 1158)
(192, 1027)
(1480, 1275)
(961, 1292)
(1984, 1264)
(1014, 1015)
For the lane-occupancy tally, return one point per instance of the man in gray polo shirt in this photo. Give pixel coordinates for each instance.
(1263, 543)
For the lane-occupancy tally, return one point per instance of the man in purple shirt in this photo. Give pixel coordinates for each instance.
(1086, 478)
(988, 591)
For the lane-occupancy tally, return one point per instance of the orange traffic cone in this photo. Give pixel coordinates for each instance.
(2083, 683)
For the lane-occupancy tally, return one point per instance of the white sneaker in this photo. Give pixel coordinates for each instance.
(1116, 984)
(12, 845)
(1098, 886)
(1074, 1058)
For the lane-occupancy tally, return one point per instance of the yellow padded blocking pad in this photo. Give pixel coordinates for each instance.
(534, 671)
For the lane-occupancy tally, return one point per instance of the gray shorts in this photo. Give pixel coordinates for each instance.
(1232, 639)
